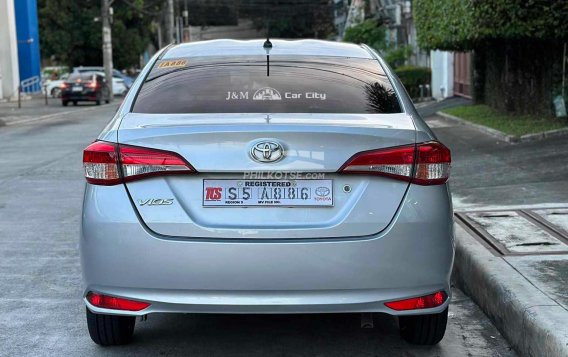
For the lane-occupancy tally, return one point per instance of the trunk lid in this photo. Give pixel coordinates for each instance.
(218, 147)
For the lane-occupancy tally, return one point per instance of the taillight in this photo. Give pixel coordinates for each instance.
(63, 86)
(421, 302)
(100, 163)
(432, 164)
(110, 164)
(424, 164)
(138, 162)
(115, 303)
(93, 85)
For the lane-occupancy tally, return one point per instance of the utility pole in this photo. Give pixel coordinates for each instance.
(170, 23)
(107, 43)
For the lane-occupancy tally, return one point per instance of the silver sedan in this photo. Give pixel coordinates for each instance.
(266, 177)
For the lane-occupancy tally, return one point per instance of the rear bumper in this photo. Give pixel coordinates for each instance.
(83, 96)
(412, 257)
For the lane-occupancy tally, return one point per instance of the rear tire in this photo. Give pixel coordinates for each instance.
(56, 92)
(423, 329)
(64, 103)
(75, 103)
(110, 330)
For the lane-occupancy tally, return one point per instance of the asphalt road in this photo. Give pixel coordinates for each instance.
(489, 172)
(41, 188)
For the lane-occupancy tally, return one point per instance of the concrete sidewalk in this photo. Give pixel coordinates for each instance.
(518, 275)
(511, 231)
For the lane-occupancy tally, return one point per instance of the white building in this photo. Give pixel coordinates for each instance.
(401, 31)
(9, 71)
(451, 74)
(340, 10)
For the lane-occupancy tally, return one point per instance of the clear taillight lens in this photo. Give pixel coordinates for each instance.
(102, 160)
(432, 164)
(100, 163)
(424, 164)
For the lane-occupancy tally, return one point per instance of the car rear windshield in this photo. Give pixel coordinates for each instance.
(86, 76)
(250, 84)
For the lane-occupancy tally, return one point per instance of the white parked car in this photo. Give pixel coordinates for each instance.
(118, 86)
(53, 87)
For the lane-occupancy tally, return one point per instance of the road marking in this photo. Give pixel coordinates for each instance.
(50, 116)
(437, 122)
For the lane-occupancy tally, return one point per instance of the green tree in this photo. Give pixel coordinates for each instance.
(132, 30)
(67, 31)
(517, 47)
(69, 34)
(367, 32)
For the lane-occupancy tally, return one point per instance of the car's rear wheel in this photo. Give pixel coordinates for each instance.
(75, 103)
(56, 92)
(110, 330)
(64, 102)
(423, 329)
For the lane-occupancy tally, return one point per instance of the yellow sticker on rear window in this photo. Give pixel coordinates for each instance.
(172, 63)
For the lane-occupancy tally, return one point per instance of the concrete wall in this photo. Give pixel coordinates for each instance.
(9, 72)
(442, 65)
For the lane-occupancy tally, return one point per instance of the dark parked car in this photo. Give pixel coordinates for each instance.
(115, 73)
(88, 86)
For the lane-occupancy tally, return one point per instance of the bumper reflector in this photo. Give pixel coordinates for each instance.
(115, 303)
(421, 302)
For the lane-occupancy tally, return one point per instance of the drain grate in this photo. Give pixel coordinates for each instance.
(519, 232)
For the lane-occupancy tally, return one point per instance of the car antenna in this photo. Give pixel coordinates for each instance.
(267, 47)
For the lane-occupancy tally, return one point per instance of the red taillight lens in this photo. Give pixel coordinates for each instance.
(393, 162)
(432, 161)
(92, 85)
(137, 162)
(101, 163)
(422, 302)
(115, 303)
(63, 86)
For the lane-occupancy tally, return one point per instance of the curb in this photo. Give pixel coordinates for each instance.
(534, 324)
(506, 137)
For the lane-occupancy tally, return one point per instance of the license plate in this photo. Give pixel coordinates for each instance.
(77, 89)
(287, 193)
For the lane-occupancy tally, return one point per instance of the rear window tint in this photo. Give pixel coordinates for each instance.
(242, 85)
(82, 76)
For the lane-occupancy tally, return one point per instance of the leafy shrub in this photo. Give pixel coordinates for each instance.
(396, 57)
(367, 32)
(460, 24)
(412, 77)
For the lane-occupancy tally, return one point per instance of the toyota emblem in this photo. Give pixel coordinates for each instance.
(266, 151)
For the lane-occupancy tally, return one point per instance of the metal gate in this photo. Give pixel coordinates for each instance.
(462, 74)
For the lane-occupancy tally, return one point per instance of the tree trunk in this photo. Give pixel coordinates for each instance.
(520, 77)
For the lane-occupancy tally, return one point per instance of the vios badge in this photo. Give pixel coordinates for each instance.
(266, 151)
